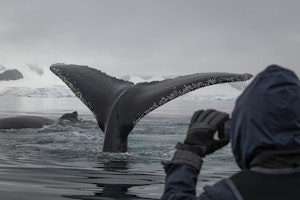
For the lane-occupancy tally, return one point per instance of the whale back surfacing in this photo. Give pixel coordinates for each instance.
(29, 121)
(21, 122)
(118, 105)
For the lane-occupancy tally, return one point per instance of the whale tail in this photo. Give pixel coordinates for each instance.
(118, 105)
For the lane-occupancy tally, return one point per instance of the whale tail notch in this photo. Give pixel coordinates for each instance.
(118, 105)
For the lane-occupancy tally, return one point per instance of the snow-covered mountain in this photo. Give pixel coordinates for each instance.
(39, 82)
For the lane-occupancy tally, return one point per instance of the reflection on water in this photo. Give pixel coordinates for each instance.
(115, 181)
(66, 162)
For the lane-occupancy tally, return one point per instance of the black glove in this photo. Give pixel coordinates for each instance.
(200, 136)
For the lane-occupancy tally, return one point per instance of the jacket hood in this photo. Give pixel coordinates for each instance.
(266, 115)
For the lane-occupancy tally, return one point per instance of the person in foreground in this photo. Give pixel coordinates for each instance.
(265, 139)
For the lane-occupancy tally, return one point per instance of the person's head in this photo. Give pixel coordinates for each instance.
(266, 115)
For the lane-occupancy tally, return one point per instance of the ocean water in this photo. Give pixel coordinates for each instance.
(67, 162)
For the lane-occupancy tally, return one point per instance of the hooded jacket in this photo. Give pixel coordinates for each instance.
(266, 115)
(265, 139)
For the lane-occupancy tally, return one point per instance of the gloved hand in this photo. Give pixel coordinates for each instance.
(200, 136)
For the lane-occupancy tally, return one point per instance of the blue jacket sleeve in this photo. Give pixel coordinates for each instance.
(181, 180)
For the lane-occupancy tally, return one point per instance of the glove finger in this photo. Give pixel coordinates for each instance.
(218, 119)
(202, 117)
(196, 116)
(221, 128)
(221, 132)
(222, 143)
(213, 114)
(217, 144)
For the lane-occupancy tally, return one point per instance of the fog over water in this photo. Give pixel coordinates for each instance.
(169, 37)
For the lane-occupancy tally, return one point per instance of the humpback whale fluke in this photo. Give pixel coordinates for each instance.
(118, 105)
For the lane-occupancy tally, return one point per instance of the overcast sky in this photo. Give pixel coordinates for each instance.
(168, 37)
